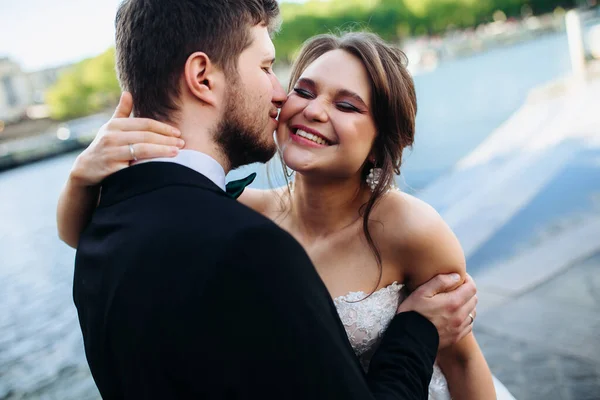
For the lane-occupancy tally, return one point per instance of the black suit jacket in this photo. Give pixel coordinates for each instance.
(184, 293)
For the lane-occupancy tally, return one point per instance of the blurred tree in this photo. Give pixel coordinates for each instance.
(90, 86)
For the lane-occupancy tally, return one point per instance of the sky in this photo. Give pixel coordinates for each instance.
(39, 34)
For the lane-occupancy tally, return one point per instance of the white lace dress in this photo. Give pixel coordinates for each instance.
(366, 320)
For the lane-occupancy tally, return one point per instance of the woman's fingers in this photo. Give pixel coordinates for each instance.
(113, 148)
(150, 138)
(125, 106)
(142, 124)
(145, 151)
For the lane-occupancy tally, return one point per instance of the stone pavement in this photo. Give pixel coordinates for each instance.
(544, 344)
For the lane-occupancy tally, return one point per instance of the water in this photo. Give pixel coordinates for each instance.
(41, 354)
(463, 101)
(41, 351)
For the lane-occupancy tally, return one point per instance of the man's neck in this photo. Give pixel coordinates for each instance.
(199, 138)
(211, 150)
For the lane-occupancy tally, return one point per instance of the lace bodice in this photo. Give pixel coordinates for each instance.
(365, 322)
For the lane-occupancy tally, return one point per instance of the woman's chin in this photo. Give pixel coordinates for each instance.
(298, 162)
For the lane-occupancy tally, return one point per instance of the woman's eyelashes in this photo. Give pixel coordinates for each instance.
(303, 93)
(342, 106)
(347, 107)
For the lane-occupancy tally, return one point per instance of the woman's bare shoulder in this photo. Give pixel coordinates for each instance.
(418, 238)
(264, 201)
(407, 219)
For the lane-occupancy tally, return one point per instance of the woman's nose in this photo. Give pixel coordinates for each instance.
(315, 111)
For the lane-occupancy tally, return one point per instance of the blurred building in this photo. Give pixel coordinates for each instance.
(22, 94)
(15, 91)
(42, 80)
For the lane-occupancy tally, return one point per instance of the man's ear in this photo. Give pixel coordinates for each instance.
(201, 77)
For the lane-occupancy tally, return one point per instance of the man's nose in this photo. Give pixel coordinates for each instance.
(279, 94)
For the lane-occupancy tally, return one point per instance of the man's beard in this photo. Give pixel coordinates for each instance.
(240, 133)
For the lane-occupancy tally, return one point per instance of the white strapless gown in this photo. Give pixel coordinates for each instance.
(365, 321)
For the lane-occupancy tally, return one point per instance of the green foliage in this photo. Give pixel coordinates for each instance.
(393, 19)
(88, 87)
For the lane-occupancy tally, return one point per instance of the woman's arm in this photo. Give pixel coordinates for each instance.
(428, 248)
(108, 153)
(75, 207)
(466, 370)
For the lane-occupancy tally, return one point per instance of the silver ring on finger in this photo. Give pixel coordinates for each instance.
(472, 318)
(132, 152)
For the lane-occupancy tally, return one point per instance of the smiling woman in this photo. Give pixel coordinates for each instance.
(352, 108)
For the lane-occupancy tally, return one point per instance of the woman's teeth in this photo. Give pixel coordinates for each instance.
(312, 137)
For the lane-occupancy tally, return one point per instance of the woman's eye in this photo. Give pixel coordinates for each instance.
(303, 93)
(267, 70)
(346, 107)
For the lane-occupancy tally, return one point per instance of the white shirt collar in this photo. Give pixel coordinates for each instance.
(199, 162)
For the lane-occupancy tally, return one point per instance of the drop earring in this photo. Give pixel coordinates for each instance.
(374, 177)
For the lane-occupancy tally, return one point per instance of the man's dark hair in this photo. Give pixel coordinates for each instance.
(154, 38)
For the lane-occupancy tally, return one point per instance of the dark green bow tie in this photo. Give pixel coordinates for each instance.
(236, 188)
